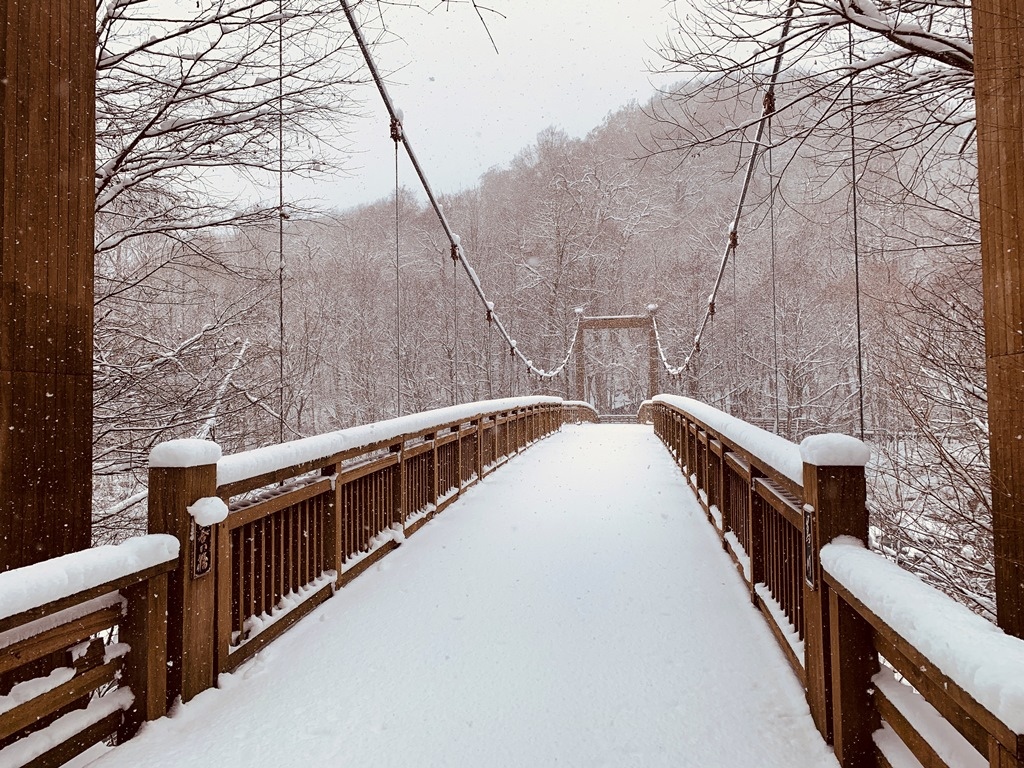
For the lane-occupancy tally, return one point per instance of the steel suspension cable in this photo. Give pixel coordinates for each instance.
(458, 252)
(775, 300)
(280, 222)
(398, 285)
(856, 234)
(768, 109)
(455, 333)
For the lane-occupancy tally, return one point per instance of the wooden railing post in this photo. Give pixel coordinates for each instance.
(435, 470)
(687, 458)
(180, 473)
(838, 678)
(494, 438)
(457, 431)
(755, 533)
(145, 629)
(479, 424)
(402, 500)
(334, 556)
(727, 479)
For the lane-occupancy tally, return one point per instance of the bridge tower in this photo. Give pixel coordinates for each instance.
(999, 75)
(47, 92)
(616, 322)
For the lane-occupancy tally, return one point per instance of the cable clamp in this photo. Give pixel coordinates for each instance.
(396, 129)
(455, 252)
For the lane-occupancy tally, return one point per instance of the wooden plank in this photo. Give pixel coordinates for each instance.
(835, 497)
(14, 720)
(275, 630)
(854, 663)
(416, 450)
(261, 509)
(781, 502)
(145, 667)
(445, 439)
(934, 694)
(915, 666)
(57, 638)
(910, 736)
(614, 322)
(276, 476)
(77, 744)
(227, 579)
(696, 425)
(84, 595)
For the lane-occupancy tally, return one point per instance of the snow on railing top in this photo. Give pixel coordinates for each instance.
(775, 451)
(186, 452)
(834, 450)
(259, 461)
(973, 652)
(34, 585)
(579, 404)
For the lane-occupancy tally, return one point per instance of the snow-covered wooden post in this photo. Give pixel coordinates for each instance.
(835, 505)
(183, 502)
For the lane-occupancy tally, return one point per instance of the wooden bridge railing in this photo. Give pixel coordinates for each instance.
(82, 649)
(269, 534)
(580, 412)
(95, 643)
(894, 671)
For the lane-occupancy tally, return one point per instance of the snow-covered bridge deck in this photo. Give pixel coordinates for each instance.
(573, 609)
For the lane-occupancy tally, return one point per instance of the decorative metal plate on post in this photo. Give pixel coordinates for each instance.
(809, 547)
(202, 546)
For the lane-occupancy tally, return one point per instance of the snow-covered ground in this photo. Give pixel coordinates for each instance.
(573, 609)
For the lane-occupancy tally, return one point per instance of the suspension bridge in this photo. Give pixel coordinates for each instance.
(504, 582)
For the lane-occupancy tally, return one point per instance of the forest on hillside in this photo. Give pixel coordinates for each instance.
(191, 300)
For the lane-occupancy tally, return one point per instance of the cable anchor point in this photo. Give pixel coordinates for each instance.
(396, 129)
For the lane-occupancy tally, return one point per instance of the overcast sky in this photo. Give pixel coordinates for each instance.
(566, 63)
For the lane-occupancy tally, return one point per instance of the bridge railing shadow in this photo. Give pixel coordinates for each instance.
(894, 670)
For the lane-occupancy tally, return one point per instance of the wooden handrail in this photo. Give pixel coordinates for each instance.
(119, 686)
(304, 518)
(774, 529)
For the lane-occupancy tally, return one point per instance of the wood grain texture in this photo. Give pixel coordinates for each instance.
(191, 601)
(46, 272)
(145, 669)
(84, 682)
(910, 736)
(999, 89)
(58, 638)
(854, 663)
(954, 703)
(78, 743)
(837, 496)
